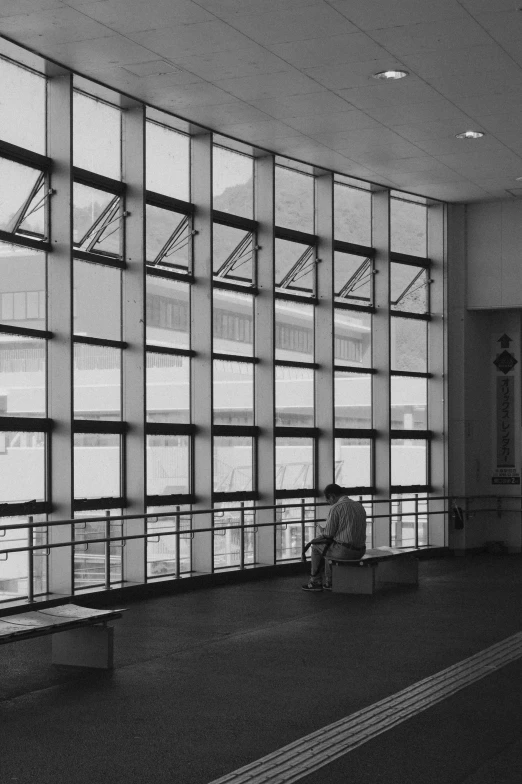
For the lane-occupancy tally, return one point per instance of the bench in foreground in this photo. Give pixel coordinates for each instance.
(377, 566)
(84, 640)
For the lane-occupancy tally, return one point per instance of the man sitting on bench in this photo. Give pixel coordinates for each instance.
(343, 537)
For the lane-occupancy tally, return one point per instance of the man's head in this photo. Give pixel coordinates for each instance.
(332, 493)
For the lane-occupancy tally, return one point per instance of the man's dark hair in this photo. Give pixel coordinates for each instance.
(333, 490)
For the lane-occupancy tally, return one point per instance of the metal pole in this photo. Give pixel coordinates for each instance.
(107, 550)
(178, 542)
(30, 561)
(416, 519)
(499, 506)
(302, 522)
(242, 535)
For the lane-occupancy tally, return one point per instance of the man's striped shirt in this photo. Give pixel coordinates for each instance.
(346, 522)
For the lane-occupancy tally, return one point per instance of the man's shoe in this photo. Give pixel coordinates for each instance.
(327, 587)
(312, 587)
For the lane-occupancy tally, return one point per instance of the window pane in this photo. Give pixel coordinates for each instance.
(233, 182)
(168, 161)
(168, 312)
(406, 515)
(97, 382)
(294, 396)
(295, 266)
(295, 464)
(22, 458)
(89, 555)
(97, 459)
(22, 107)
(233, 254)
(168, 465)
(294, 201)
(408, 403)
(97, 136)
(162, 553)
(14, 570)
(22, 376)
(233, 393)
(353, 215)
(21, 203)
(289, 534)
(353, 338)
(294, 338)
(97, 300)
(353, 400)
(409, 462)
(168, 239)
(97, 221)
(168, 388)
(409, 345)
(408, 227)
(22, 269)
(233, 464)
(227, 543)
(408, 288)
(353, 462)
(233, 322)
(353, 278)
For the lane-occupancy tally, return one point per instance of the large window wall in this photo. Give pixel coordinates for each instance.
(187, 324)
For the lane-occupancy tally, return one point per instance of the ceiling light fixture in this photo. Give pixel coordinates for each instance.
(469, 135)
(387, 76)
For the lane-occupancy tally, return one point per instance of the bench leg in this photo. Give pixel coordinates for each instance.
(91, 646)
(400, 570)
(353, 579)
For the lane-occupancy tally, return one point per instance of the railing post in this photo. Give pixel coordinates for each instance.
(416, 520)
(302, 522)
(30, 561)
(499, 506)
(242, 535)
(178, 542)
(107, 550)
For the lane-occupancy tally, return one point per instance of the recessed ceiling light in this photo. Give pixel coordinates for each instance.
(390, 75)
(469, 135)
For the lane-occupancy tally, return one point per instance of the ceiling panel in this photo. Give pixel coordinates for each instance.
(372, 14)
(332, 50)
(310, 21)
(432, 36)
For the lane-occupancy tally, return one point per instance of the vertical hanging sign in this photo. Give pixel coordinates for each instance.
(506, 471)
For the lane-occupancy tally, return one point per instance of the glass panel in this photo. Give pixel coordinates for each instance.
(408, 227)
(353, 278)
(162, 553)
(409, 461)
(97, 382)
(353, 462)
(289, 534)
(353, 400)
(97, 459)
(353, 215)
(233, 323)
(168, 465)
(22, 107)
(97, 221)
(408, 288)
(168, 312)
(22, 461)
(294, 200)
(295, 463)
(233, 393)
(14, 569)
(295, 266)
(408, 403)
(95, 149)
(294, 394)
(168, 239)
(233, 464)
(233, 182)
(21, 199)
(233, 254)
(168, 161)
(353, 338)
(406, 516)
(22, 269)
(227, 543)
(89, 555)
(168, 388)
(22, 376)
(97, 300)
(294, 339)
(409, 346)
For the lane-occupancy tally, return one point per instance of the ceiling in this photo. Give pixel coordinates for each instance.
(295, 77)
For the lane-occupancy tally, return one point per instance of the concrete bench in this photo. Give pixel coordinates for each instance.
(84, 640)
(377, 566)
